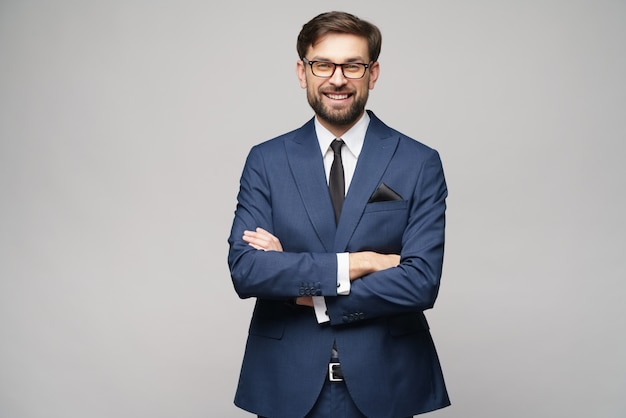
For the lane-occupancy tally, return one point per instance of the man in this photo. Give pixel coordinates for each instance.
(338, 327)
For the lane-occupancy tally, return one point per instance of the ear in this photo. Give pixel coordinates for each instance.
(301, 73)
(374, 73)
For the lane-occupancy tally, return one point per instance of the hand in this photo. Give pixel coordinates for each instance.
(366, 262)
(305, 301)
(262, 240)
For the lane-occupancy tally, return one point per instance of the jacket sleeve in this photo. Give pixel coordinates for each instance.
(414, 284)
(271, 274)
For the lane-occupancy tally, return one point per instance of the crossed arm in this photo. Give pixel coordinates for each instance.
(361, 263)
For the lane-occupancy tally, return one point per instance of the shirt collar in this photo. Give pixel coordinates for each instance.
(353, 139)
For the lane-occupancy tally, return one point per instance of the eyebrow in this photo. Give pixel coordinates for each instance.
(349, 60)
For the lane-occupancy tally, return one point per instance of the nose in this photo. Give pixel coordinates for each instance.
(338, 79)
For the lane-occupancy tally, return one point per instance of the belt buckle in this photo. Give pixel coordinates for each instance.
(331, 372)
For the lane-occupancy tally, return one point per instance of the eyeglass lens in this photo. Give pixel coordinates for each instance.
(327, 69)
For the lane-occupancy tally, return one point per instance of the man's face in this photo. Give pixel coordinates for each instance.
(338, 101)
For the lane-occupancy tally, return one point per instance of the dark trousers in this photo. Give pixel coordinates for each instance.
(334, 402)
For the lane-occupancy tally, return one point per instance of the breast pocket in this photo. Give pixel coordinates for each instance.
(382, 226)
(391, 205)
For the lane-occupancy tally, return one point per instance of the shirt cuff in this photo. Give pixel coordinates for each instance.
(319, 304)
(343, 274)
(343, 288)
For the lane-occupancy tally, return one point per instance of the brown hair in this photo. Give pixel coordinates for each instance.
(338, 22)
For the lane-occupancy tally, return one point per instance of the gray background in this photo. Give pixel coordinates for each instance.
(124, 126)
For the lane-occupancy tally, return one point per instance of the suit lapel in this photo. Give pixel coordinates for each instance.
(307, 167)
(378, 148)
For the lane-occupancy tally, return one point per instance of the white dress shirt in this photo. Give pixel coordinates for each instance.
(353, 140)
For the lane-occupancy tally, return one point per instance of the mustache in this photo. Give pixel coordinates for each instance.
(336, 91)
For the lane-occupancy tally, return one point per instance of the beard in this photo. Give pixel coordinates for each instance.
(339, 117)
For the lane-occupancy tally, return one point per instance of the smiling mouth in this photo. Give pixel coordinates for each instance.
(336, 96)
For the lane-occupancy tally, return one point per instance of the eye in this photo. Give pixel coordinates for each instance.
(352, 68)
(323, 66)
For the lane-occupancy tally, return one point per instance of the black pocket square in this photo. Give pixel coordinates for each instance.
(384, 193)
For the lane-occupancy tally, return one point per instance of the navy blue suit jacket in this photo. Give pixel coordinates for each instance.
(388, 358)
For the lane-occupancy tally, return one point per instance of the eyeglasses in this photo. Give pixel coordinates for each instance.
(325, 69)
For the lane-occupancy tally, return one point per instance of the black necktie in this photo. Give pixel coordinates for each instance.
(336, 182)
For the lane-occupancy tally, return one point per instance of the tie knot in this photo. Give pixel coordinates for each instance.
(336, 145)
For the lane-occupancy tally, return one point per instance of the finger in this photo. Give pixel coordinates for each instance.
(256, 242)
(269, 241)
(262, 240)
(261, 233)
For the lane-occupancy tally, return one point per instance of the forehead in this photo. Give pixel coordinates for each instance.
(339, 47)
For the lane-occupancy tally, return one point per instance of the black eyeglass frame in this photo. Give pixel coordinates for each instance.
(335, 65)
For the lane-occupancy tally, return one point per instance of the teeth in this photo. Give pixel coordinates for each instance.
(338, 96)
